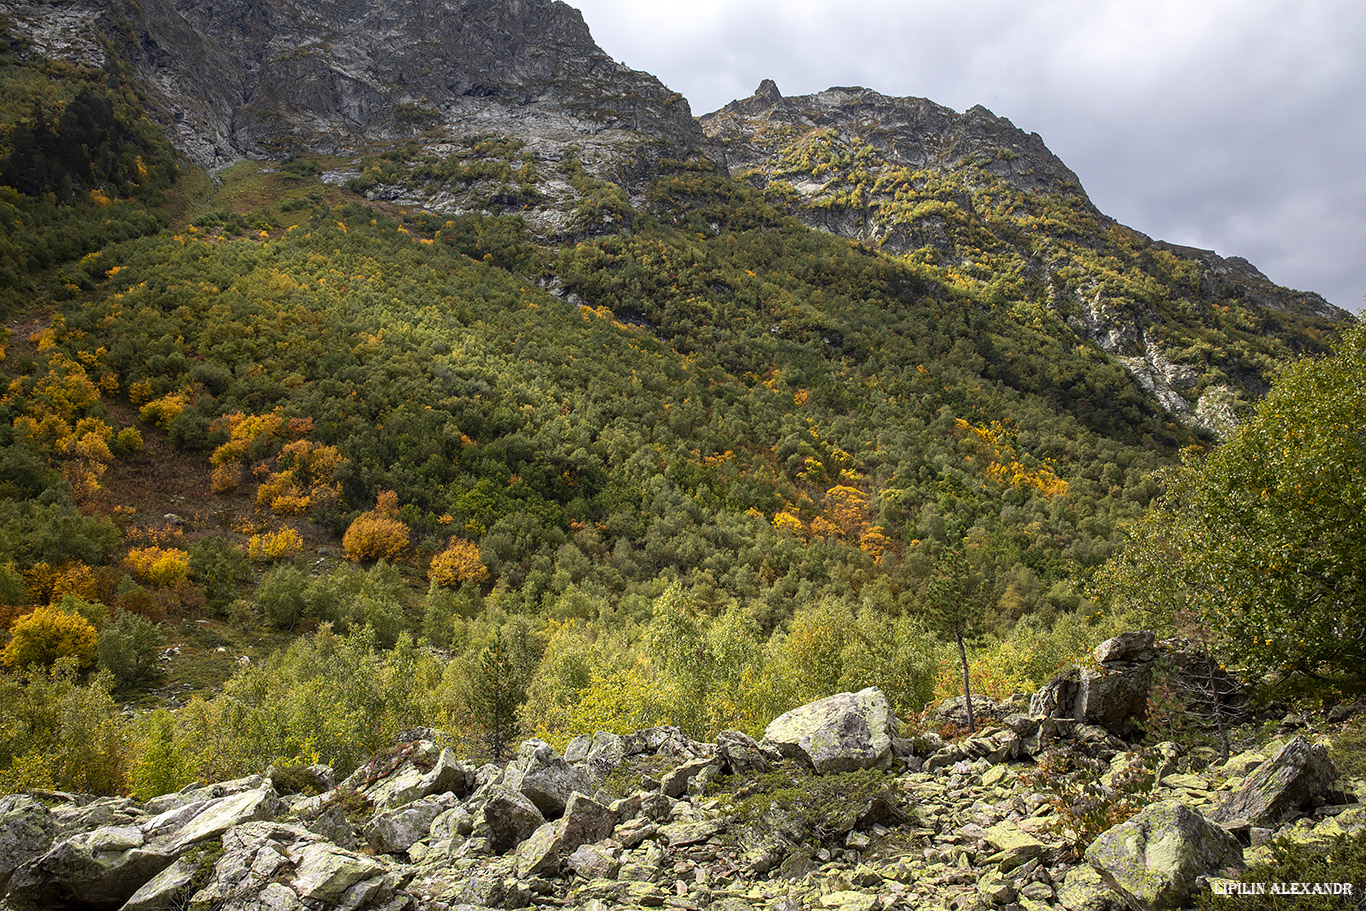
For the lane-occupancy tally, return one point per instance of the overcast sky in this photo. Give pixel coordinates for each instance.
(1233, 125)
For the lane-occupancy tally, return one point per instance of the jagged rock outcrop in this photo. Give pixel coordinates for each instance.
(1113, 695)
(759, 134)
(263, 79)
(1299, 774)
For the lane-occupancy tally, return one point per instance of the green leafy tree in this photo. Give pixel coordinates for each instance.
(1263, 542)
(956, 603)
(128, 647)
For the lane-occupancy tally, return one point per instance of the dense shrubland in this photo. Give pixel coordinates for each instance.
(697, 472)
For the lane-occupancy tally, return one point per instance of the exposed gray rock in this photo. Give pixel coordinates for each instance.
(584, 821)
(840, 733)
(27, 830)
(165, 891)
(395, 831)
(511, 818)
(1127, 648)
(545, 778)
(740, 753)
(675, 783)
(1114, 697)
(269, 865)
(425, 769)
(1154, 859)
(1299, 774)
(103, 867)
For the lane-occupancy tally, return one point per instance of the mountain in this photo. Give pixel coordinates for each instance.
(407, 321)
(977, 200)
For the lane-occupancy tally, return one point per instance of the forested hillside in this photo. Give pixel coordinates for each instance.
(683, 460)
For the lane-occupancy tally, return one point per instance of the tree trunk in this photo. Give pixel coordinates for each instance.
(967, 689)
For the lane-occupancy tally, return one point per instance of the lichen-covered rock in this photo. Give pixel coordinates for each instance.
(584, 821)
(740, 753)
(545, 778)
(395, 831)
(1293, 779)
(166, 890)
(270, 865)
(1114, 697)
(1083, 889)
(511, 818)
(26, 832)
(1154, 859)
(1127, 648)
(103, 867)
(840, 733)
(425, 769)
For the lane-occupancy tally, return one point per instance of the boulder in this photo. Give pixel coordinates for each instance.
(545, 778)
(840, 733)
(1127, 648)
(1293, 779)
(1154, 859)
(103, 867)
(511, 818)
(740, 753)
(584, 821)
(395, 831)
(1083, 889)
(675, 783)
(1114, 697)
(27, 830)
(427, 770)
(166, 890)
(107, 865)
(270, 865)
(217, 816)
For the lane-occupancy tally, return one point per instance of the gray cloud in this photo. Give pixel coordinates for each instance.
(1235, 125)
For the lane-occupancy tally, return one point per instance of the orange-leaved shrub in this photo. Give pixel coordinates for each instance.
(459, 562)
(377, 534)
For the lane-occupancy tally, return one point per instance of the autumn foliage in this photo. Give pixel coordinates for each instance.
(47, 634)
(460, 562)
(377, 534)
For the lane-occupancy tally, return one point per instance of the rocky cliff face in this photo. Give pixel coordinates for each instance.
(263, 78)
(989, 209)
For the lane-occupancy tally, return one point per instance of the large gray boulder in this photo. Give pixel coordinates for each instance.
(27, 830)
(584, 822)
(269, 865)
(107, 865)
(1288, 782)
(425, 769)
(1113, 695)
(511, 818)
(1153, 860)
(839, 733)
(546, 779)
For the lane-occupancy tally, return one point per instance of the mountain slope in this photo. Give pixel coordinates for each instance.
(984, 206)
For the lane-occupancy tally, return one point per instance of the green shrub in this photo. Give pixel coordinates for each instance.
(128, 648)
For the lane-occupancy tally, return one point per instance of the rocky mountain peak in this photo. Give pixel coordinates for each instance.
(908, 132)
(237, 79)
